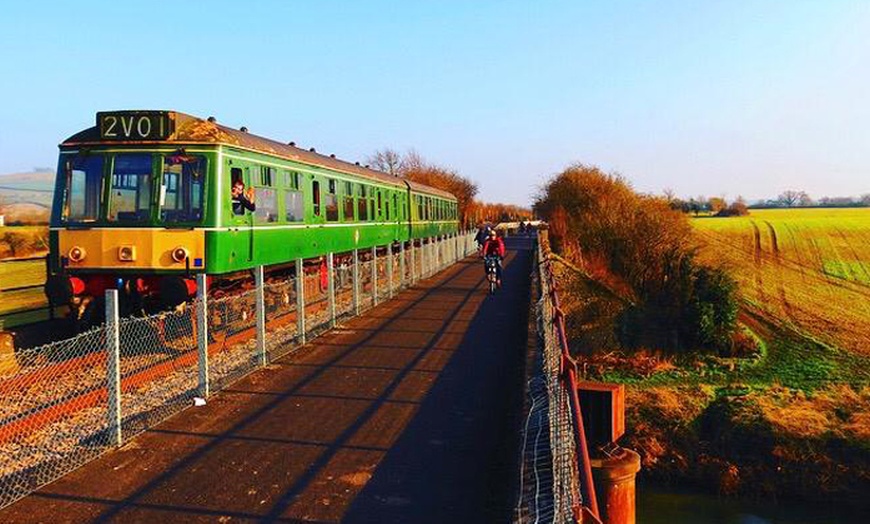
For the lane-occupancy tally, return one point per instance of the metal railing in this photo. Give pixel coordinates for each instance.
(556, 476)
(65, 403)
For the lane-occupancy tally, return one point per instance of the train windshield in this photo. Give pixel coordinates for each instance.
(84, 182)
(130, 197)
(183, 185)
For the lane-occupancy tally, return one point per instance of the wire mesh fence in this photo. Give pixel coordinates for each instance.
(549, 475)
(65, 403)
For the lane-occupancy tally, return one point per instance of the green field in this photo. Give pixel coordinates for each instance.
(803, 270)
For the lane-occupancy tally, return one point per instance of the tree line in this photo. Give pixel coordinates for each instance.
(412, 166)
(719, 206)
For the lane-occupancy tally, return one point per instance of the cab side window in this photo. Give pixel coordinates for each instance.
(242, 197)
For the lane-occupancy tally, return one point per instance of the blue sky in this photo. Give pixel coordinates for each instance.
(715, 98)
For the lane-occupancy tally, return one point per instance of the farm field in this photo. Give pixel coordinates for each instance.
(800, 405)
(15, 273)
(803, 270)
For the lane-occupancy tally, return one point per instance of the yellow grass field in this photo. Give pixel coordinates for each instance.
(805, 269)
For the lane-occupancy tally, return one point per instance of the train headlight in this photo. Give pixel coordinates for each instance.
(77, 254)
(127, 253)
(180, 254)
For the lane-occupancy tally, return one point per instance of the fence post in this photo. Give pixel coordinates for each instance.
(113, 366)
(390, 269)
(401, 265)
(430, 264)
(423, 260)
(261, 314)
(202, 334)
(330, 287)
(300, 301)
(356, 288)
(374, 276)
(412, 261)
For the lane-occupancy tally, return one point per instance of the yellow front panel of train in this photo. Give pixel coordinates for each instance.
(155, 249)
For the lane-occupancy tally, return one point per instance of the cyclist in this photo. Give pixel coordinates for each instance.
(482, 235)
(494, 247)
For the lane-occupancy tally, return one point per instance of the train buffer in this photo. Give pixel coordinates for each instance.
(411, 412)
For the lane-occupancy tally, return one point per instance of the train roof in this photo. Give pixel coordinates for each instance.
(186, 129)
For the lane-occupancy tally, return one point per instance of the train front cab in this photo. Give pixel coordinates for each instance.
(132, 219)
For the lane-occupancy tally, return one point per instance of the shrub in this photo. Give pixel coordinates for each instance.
(643, 248)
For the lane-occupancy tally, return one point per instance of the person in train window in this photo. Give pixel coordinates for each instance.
(242, 199)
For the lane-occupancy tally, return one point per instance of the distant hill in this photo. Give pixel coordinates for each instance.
(26, 196)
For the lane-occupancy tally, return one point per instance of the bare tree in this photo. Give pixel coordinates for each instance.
(791, 197)
(387, 160)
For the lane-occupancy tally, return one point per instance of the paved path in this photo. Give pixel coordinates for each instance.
(410, 413)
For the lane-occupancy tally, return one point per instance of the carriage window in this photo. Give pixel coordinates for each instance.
(267, 205)
(291, 180)
(331, 203)
(84, 177)
(419, 207)
(380, 206)
(130, 197)
(396, 213)
(293, 206)
(315, 195)
(266, 176)
(348, 202)
(182, 189)
(362, 205)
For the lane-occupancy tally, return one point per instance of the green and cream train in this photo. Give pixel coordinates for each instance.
(144, 200)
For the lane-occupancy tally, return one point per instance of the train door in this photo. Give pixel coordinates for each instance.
(243, 205)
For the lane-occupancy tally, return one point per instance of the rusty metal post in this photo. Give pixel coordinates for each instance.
(615, 482)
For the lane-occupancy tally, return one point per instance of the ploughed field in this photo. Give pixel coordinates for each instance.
(803, 269)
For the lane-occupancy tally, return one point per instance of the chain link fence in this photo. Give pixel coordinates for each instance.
(550, 476)
(65, 403)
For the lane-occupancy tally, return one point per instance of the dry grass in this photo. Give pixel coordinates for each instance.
(838, 411)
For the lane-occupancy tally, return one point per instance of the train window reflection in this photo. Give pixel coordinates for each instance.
(182, 189)
(130, 196)
(84, 177)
